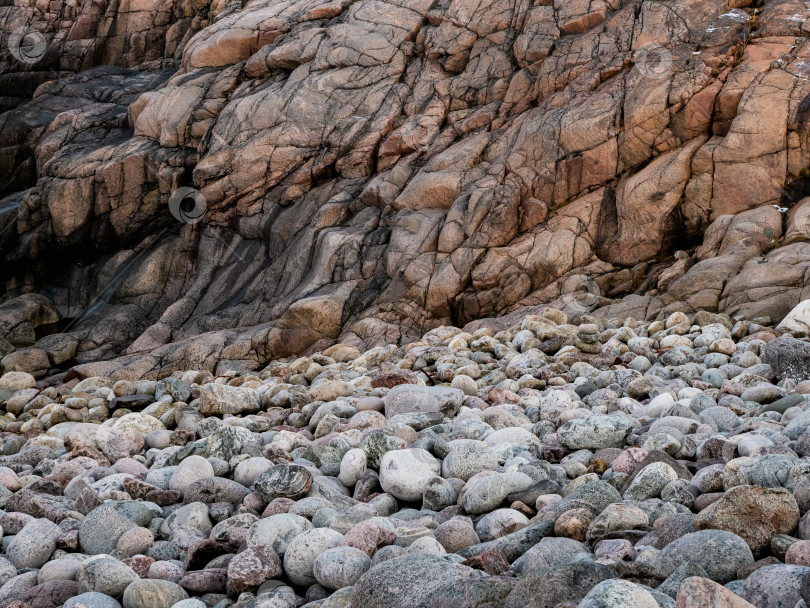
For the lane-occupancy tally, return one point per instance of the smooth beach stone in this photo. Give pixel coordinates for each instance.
(148, 593)
(340, 567)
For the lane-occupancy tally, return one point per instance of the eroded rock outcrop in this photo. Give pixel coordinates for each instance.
(373, 169)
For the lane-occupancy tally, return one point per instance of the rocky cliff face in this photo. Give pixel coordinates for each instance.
(363, 171)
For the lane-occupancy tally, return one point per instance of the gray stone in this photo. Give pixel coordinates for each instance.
(546, 588)
(140, 512)
(340, 567)
(228, 441)
(788, 357)
(63, 569)
(418, 421)
(353, 465)
(551, 552)
(249, 470)
(722, 554)
(594, 496)
(775, 471)
(798, 425)
(439, 493)
(712, 377)
(160, 477)
(719, 417)
(377, 443)
(617, 593)
(174, 387)
(406, 398)
(304, 549)
(101, 528)
(673, 582)
(784, 404)
(188, 471)
(407, 581)
(487, 493)
(92, 599)
(216, 490)
(7, 571)
(187, 525)
(277, 531)
(105, 574)
(776, 586)
(18, 585)
(515, 544)
(467, 459)
(153, 593)
(466, 593)
(500, 522)
(34, 544)
(594, 432)
(763, 392)
(649, 481)
(615, 518)
(190, 603)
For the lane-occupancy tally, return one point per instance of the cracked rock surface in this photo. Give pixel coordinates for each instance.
(375, 169)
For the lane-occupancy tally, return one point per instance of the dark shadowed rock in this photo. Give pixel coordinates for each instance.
(408, 581)
(775, 586)
(546, 588)
(101, 528)
(721, 554)
(788, 357)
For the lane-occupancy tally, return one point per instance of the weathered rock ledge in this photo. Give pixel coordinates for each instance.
(373, 169)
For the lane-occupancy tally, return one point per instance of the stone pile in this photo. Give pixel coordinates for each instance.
(609, 463)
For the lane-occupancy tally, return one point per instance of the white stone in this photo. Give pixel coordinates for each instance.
(17, 381)
(249, 469)
(299, 559)
(797, 319)
(191, 469)
(352, 466)
(404, 474)
(278, 531)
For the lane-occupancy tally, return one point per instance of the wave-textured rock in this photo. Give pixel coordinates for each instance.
(374, 169)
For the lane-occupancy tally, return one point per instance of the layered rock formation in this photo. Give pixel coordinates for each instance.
(372, 170)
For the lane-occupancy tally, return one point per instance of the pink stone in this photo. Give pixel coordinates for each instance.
(628, 460)
(368, 537)
(278, 505)
(131, 466)
(799, 553)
